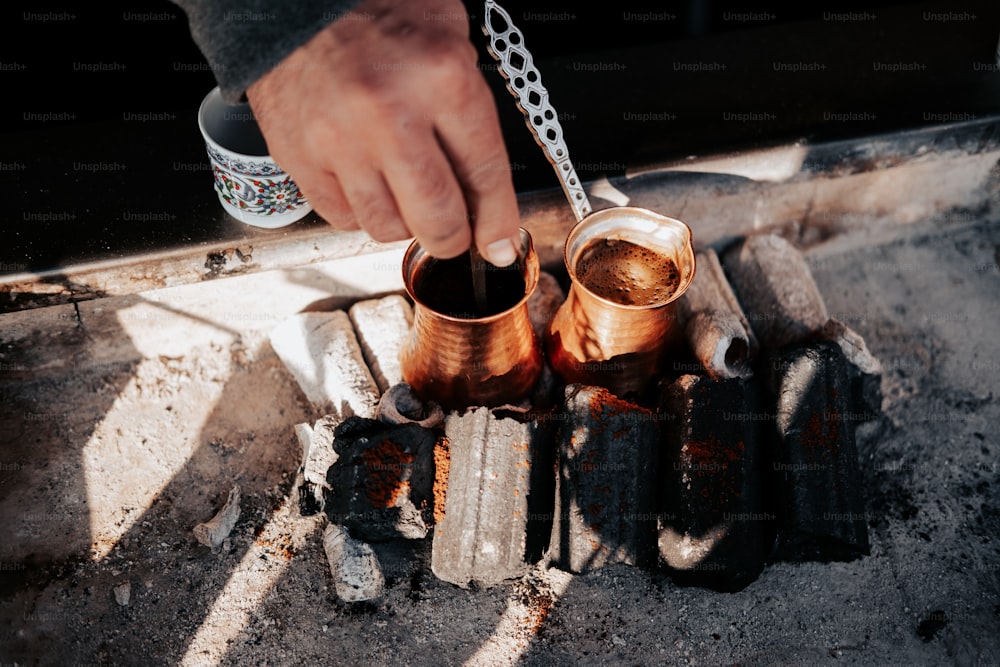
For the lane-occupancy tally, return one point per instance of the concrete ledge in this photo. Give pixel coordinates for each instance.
(808, 192)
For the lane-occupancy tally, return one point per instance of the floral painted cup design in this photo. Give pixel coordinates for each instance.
(252, 187)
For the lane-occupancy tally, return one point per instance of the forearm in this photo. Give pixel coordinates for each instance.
(244, 39)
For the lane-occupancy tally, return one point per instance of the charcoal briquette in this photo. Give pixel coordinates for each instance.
(497, 497)
(713, 525)
(815, 473)
(606, 497)
(381, 485)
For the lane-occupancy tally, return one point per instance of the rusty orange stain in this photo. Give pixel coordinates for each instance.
(442, 464)
(281, 548)
(386, 464)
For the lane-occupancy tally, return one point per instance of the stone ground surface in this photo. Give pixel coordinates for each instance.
(120, 435)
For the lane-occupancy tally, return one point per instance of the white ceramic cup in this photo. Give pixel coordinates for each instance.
(252, 187)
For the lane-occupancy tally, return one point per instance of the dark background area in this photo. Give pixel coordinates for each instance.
(107, 164)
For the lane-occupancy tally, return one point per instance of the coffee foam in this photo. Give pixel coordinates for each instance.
(627, 273)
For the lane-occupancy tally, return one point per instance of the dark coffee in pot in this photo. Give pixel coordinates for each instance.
(445, 286)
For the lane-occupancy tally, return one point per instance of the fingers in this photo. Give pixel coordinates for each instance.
(395, 172)
(399, 183)
(322, 190)
(373, 206)
(472, 139)
(428, 194)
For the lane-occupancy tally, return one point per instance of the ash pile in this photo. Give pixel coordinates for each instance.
(743, 454)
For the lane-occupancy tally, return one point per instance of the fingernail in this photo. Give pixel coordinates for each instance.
(501, 253)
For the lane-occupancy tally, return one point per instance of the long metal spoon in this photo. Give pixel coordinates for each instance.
(477, 264)
(525, 84)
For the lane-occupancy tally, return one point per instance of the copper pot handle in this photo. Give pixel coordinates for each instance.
(525, 84)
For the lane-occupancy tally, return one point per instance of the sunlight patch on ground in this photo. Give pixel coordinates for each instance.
(264, 563)
(528, 606)
(151, 445)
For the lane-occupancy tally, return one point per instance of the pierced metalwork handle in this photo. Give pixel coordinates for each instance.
(525, 84)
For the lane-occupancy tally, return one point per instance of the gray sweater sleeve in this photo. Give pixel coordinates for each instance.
(244, 39)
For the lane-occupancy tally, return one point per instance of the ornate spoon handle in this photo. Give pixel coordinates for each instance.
(525, 84)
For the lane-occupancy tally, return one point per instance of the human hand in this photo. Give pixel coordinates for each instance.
(386, 123)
